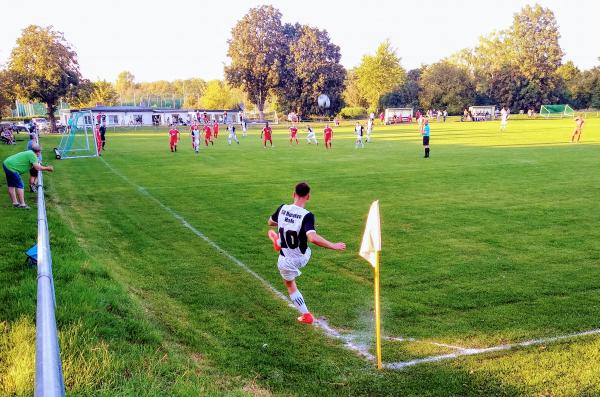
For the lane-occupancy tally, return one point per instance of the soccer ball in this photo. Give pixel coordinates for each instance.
(323, 101)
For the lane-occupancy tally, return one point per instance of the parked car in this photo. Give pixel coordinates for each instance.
(14, 127)
(20, 128)
(41, 123)
(60, 127)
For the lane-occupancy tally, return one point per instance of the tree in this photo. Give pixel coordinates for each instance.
(88, 94)
(534, 36)
(405, 96)
(6, 94)
(352, 95)
(311, 68)
(586, 89)
(191, 90)
(568, 75)
(219, 96)
(493, 53)
(379, 74)
(537, 53)
(257, 52)
(509, 87)
(529, 50)
(125, 82)
(444, 85)
(43, 67)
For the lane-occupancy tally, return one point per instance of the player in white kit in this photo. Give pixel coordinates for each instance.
(295, 228)
(369, 129)
(195, 138)
(311, 137)
(503, 118)
(244, 128)
(232, 135)
(358, 129)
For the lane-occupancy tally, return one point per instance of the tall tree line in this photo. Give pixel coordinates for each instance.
(520, 67)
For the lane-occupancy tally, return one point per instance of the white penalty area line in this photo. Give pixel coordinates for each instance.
(349, 339)
(360, 349)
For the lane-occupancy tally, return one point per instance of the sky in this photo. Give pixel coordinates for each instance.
(160, 40)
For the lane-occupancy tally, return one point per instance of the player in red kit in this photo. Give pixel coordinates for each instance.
(207, 135)
(216, 129)
(266, 135)
(98, 140)
(328, 134)
(293, 133)
(173, 138)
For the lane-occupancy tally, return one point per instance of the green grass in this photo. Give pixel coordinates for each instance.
(493, 240)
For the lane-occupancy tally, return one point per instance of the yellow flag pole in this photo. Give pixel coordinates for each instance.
(377, 314)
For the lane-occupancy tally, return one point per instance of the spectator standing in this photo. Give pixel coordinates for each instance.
(18, 164)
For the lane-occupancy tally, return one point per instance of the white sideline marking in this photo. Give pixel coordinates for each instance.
(319, 323)
(348, 339)
(472, 352)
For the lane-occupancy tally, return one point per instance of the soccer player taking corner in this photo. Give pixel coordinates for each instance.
(295, 229)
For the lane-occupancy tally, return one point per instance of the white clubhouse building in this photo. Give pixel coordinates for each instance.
(123, 116)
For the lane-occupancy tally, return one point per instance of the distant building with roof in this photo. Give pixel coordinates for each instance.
(123, 116)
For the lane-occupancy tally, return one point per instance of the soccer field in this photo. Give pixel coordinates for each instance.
(492, 241)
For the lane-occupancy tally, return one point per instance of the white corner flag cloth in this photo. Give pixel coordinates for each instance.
(371, 241)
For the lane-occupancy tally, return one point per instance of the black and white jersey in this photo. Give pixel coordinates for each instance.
(294, 223)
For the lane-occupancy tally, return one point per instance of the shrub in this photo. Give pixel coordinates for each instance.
(353, 112)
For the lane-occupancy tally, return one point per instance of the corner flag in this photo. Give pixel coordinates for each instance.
(369, 250)
(371, 241)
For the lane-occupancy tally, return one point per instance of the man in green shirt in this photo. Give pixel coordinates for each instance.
(18, 164)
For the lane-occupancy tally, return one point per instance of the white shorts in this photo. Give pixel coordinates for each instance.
(289, 268)
(196, 142)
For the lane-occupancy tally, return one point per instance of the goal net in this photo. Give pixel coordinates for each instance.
(398, 115)
(78, 140)
(482, 113)
(549, 111)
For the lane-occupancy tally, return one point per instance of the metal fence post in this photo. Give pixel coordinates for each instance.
(48, 368)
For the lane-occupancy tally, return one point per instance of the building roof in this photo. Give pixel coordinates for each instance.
(133, 109)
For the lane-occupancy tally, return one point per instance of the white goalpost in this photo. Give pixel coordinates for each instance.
(78, 140)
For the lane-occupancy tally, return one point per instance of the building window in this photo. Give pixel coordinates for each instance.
(87, 120)
(113, 119)
(137, 119)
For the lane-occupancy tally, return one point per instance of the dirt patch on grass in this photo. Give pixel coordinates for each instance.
(254, 389)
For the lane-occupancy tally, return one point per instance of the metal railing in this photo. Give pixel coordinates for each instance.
(48, 368)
